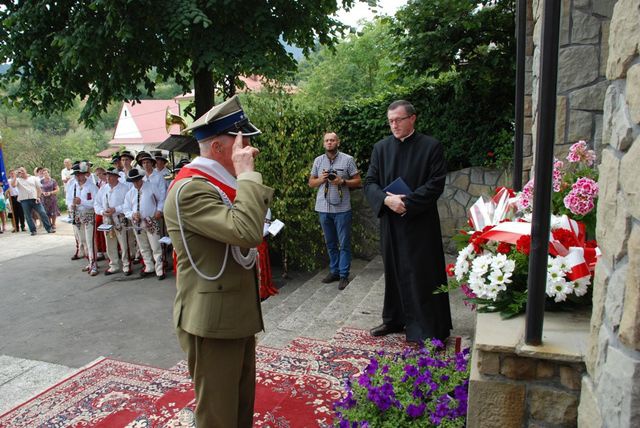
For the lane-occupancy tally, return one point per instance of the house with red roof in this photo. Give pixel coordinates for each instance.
(142, 126)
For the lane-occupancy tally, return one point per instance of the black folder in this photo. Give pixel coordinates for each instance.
(398, 187)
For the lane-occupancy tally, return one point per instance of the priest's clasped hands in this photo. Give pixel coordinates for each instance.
(395, 203)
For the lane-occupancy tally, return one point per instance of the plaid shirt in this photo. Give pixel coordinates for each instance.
(334, 199)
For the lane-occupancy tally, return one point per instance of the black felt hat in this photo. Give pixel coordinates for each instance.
(113, 171)
(134, 175)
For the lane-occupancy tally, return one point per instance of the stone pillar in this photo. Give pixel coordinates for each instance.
(610, 394)
(584, 30)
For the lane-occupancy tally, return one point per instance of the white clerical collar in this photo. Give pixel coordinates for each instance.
(214, 169)
(404, 138)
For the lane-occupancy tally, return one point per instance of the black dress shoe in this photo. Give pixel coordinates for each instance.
(144, 274)
(343, 283)
(161, 277)
(331, 277)
(108, 272)
(384, 329)
(76, 257)
(127, 272)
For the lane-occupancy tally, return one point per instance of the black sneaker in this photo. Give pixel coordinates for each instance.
(331, 277)
(343, 283)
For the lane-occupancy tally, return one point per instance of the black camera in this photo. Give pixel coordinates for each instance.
(332, 174)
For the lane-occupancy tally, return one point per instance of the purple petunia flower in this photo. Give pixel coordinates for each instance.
(417, 393)
(364, 380)
(437, 343)
(416, 411)
(411, 370)
(372, 367)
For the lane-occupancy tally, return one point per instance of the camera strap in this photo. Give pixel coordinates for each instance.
(326, 193)
(326, 184)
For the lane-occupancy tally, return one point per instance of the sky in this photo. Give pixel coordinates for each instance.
(361, 11)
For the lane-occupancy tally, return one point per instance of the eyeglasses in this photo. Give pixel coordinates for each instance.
(398, 120)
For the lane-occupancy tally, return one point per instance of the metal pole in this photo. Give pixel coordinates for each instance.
(543, 173)
(521, 43)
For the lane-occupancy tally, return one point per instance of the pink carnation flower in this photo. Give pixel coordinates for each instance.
(525, 198)
(557, 175)
(581, 199)
(579, 152)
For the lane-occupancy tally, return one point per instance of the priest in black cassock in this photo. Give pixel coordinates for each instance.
(409, 227)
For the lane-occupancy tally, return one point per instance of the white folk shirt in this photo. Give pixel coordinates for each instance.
(87, 193)
(150, 201)
(69, 187)
(157, 180)
(27, 187)
(111, 197)
(164, 171)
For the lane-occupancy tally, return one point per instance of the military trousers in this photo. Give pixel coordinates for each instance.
(224, 375)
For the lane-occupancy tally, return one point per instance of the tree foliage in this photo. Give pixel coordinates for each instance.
(361, 65)
(436, 36)
(103, 50)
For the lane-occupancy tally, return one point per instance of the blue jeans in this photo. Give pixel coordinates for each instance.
(337, 235)
(27, 206)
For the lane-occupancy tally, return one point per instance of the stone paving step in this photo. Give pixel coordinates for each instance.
(293, 314)
(22, 379)
(368, 313)
(338, 312)
(291, 285)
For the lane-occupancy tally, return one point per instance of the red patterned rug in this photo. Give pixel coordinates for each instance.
(296, 387)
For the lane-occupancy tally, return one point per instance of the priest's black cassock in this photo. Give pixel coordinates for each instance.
(412, 243)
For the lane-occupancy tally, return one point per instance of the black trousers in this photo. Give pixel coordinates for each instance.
(18, 213)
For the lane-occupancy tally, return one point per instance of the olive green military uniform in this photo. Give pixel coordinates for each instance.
(217, 320)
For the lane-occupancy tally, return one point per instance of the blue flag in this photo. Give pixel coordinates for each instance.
(3, 172)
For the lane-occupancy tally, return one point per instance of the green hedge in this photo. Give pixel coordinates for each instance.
(470, 130)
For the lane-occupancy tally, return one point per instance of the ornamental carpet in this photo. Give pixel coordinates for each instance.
(296, 387)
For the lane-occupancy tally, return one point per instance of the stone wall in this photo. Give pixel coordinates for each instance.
(584, 29)
(611, 390)
(527, 142)
(462, 189)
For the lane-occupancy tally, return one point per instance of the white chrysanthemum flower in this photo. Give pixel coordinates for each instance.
(510, 266)
(492, 292)
(499, 277)
(581, 286)
(481, 264)
(498, 261)
(477, 285)
(462, 262)
(554, 274)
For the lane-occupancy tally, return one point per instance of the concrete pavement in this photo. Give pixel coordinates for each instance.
(54, 318)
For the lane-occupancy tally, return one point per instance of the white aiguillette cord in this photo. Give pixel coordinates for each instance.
(247, 262)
